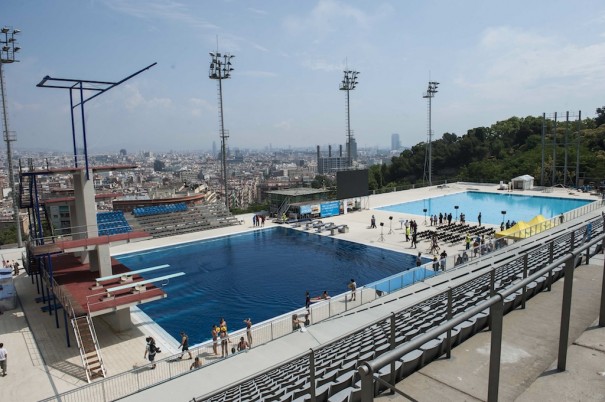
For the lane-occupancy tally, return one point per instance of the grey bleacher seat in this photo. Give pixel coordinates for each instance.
(410, 362)
(466, 330)
(430, 351)
(385, 375)
(327, 377)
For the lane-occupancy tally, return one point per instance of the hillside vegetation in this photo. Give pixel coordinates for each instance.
(502, 151)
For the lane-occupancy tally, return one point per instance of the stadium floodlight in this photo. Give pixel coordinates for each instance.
(7, 56)
(220, 69)
(430, 94)
(349, 83)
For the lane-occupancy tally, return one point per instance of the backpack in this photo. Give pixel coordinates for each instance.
(154, 349)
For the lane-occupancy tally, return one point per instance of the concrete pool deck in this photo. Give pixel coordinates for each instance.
(40, 365)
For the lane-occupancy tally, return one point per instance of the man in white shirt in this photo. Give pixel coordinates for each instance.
(3, 356)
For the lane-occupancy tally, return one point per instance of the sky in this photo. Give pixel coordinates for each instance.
(492, 59)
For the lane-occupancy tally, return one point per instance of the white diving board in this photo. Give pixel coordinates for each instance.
(126, 276)
(140, 285)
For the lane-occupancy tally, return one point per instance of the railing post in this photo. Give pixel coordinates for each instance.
(496, 311)
(524, 297)
(565, 313)
(393, 373)
(551, 254)
(573, 240)
(448, 351)
(367, 383)
(602, 312)
(492, 292)
(312, 375)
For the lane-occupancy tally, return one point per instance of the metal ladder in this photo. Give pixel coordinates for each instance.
(90, 352)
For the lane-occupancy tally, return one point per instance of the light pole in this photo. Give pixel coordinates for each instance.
(456, 208)
(220, 69)
(349, 82)
(7, 56)
(430, 94)
(503, 215)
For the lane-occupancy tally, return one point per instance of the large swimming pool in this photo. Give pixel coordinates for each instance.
(491, 205)
(259, 274)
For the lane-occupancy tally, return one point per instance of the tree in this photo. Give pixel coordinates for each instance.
(158, 165)
(600, 119)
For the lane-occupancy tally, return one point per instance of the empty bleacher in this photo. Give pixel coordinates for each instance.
(174, 219)
(110, 223)
(331, 370)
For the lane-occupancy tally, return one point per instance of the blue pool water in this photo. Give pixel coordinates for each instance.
(517, 207)
(260, 274)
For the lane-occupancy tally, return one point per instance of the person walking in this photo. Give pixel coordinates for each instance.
(414, 239)
(184, 346)
(307, 299)
(373, 222)
(3, 357)
(479, 218)
(419, 260)
(150, 350)
(248, 323)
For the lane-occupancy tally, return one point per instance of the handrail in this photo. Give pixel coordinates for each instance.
(367, 369)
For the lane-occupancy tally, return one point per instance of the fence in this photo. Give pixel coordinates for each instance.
(495, 304)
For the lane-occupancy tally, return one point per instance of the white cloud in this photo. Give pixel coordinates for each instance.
(253, 73)
(511, 63)
(321, 65)
(199, 106)
(283, 125)
(159, 10)
(257, 11)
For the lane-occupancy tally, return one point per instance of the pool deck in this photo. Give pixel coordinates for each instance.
(40, 365)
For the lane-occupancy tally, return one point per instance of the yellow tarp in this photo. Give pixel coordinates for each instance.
(523, 230)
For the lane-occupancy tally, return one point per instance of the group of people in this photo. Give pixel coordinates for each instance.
(14, 265)
(258, 220)
(219, 333)
(508, 225)
(440, 263)
(411, 232)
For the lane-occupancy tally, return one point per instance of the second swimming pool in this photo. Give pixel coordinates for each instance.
(517, 207)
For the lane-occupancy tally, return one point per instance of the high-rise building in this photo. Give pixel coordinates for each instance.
(214, 148)
(395, 144)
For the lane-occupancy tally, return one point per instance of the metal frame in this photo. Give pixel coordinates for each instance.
(74, 84)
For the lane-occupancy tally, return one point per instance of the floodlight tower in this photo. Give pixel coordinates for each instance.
(8, 51)
(430, 94)
(220, 69)
(349, 82)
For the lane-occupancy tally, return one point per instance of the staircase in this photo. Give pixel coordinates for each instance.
(89, 347)
(25, 187)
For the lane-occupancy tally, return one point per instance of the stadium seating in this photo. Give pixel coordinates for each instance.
(111, 223)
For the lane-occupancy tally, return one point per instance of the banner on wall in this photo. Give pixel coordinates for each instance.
(305, 209)
(331, 208)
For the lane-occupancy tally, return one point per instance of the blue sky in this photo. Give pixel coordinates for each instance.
(493, 59)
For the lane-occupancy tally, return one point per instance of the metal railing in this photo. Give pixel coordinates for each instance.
(137, 379)
(559, 246)
(495, 304)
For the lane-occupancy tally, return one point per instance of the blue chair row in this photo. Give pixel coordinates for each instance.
(159, 209)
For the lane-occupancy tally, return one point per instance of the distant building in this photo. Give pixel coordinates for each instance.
(395, 144)
(331, 163)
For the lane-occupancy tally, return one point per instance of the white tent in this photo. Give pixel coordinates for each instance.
(525, 182)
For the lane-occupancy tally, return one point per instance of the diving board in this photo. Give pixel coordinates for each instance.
(140, 286)
(125, 276)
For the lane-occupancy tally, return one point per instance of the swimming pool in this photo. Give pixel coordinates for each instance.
(259, 274)
(517, 207)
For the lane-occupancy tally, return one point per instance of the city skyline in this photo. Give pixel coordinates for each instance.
(493, 62)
